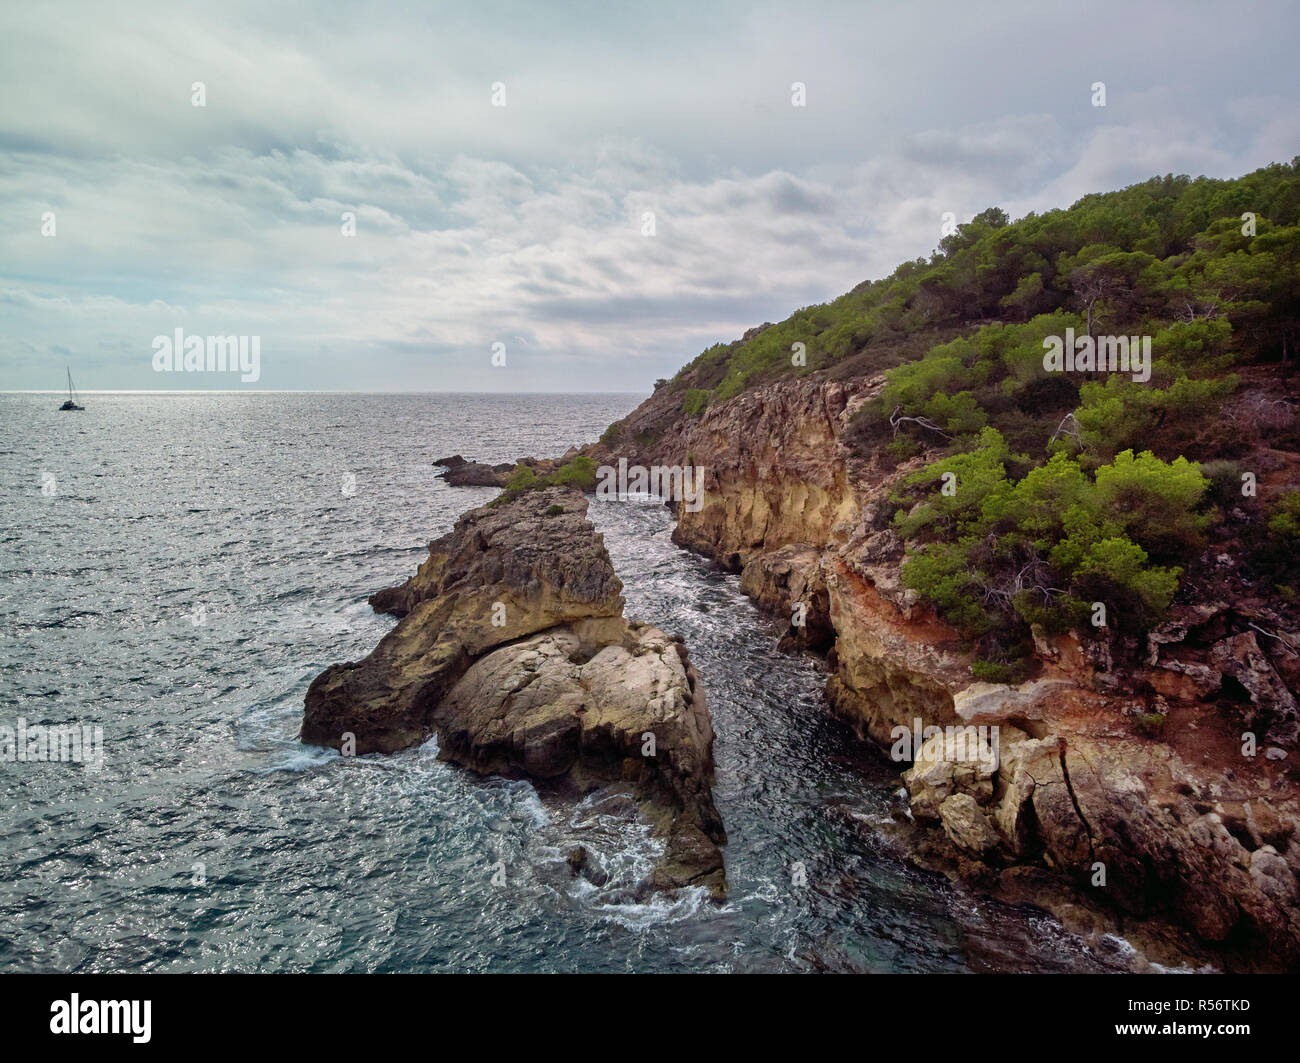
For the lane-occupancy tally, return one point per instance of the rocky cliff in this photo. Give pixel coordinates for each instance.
(513, 649)
(1180, 835)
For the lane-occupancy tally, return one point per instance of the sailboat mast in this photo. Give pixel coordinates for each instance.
(71, 404)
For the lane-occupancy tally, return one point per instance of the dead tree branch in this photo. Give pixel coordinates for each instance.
(896, 420)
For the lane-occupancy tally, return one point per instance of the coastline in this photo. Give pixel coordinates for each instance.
(1085, 816)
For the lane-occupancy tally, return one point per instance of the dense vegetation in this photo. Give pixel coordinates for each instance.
(579, 472)
(1056, 490)
(1170, 249)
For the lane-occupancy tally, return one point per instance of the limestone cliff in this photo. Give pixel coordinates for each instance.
(1179, 831)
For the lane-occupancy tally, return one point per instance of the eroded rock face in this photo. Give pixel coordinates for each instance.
(1187, 827)
(500, 574)
(1130, 824)
(772, 474)
(513, 649)
(1273, 705)
(550, 708)
(791, 578)
(538, 554)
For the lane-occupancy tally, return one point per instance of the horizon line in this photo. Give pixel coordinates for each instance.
(284, 391)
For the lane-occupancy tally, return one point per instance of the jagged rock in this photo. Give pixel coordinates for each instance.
(500, 574)
(512, 647)
(993, 702)
(944, 765)
(545, 567)
(774, 471)
(889, 669)
(1182, 621)
(1275, 707)
(453, 462)
(1042, 643)
(788, 578)
(1272, 877)
(1196, 680)
(1121, 806)
(550, 708)
(965, 823)
(477, 474)
(1022, 763)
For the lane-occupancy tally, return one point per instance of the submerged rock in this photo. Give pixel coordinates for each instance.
(581, 863)
(513, 649)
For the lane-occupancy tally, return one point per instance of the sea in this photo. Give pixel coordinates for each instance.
(176, 568)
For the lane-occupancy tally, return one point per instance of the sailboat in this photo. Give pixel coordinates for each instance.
(71, 404)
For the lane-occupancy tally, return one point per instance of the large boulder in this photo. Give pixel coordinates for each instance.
(966, 825)
(502, 573)
(633, 712)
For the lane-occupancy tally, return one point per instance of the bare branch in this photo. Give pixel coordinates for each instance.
(896, 420)
(1285, 641)
(1073, 431)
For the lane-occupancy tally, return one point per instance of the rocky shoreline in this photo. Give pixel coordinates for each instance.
(1176, 840)
(512, 648)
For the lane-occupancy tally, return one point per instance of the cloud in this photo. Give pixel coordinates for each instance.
(477, 224)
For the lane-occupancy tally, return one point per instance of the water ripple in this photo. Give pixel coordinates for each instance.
(200, 563)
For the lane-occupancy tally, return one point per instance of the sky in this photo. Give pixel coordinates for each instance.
(521, 229)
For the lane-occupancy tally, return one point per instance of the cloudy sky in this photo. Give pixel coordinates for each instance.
(523, 224)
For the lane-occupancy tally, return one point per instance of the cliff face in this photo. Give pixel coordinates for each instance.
(775, 473)
(771, 475)
(513, 649)
(1183, 829)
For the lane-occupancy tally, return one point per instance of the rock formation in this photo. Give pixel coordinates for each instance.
(1177, 829)
(513, 649)
(461, 473)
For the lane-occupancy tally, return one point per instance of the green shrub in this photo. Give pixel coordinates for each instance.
(997, 556)
(1225, 481)
(1285, 521)
(694, 402)
(579, 473)
(1155, 501)
(999, 671)
(522, 479)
